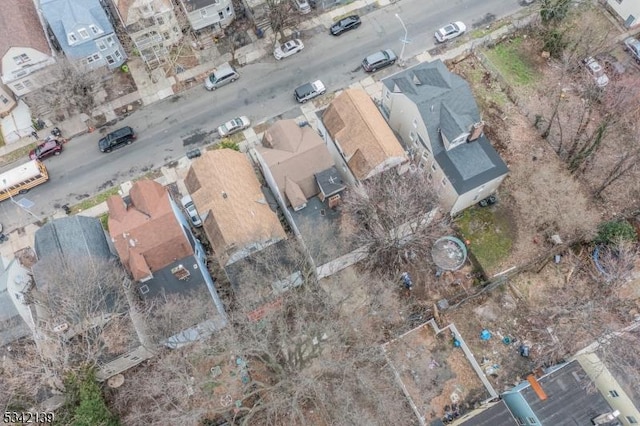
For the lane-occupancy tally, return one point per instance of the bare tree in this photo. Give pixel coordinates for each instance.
(281, 15)
(616, 263)
(297, 358)
(83, 310)
(390, 215)
(69, 88)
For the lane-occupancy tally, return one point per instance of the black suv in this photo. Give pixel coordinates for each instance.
(116, 139)
(349, 23)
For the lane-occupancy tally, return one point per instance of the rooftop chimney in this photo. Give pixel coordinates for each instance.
(475, 131)
(535, 385)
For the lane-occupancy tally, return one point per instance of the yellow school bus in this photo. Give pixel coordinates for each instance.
(22, 178)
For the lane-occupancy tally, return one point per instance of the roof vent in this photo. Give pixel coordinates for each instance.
(224, 194)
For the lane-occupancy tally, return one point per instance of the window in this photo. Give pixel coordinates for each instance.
(165, 35)
(4, 99)
(632, 420)
(19, 87)
(430, 177)
(444, 181)
(110, 41)
(21, 59)
(117, 54)
(101, 45)
(221, 15)
(433, 166)
(27, 83)
(83, 33)
(415, 123)
(412, 136)
(613, 393)
(94, 29)
(160, 20)
(532, 421)
(71, 37)
(93, 58)
(110, 60)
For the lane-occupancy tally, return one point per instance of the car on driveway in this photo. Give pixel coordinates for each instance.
(378, 60)
(345, 24)
(632, 45)
(50, 146)
(450, 31)
(234, 126)
(116, 139)
(288, 48)
(190, 208)
(597, 72)
(309, 91)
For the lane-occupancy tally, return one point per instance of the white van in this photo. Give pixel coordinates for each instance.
(221, 76)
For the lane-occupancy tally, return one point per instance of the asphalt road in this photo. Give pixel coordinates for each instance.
(169, 128)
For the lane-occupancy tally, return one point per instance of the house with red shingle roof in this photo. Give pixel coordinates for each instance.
(156, 245)
(24, 50)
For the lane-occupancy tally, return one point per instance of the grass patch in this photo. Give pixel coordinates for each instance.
(512, 61)
(17, 154)
(92, 202)
(489, 234)
(485, 89)
(104, 220)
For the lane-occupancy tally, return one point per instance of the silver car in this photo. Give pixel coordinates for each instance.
(190, 208)
(234, 126)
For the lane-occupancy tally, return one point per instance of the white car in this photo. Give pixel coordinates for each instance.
(450, 31)
(288, 48)
(190, 208)
(596, 71)
(234, 126)
(632, 45)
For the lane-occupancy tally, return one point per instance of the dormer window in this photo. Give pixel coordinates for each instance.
(21, 59)
(71, 38)
(94, 29)
(83, 33)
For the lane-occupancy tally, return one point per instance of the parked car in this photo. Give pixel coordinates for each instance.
(612, 65)
(50, 146)
(378, 60)
(309, 91)
(597, 72)
(116, 139)
(221, 76)
(234, 126)
(288, 48)
(632, 45)
(302, 6)
(345, 24)
(450, 31)
(190, 208)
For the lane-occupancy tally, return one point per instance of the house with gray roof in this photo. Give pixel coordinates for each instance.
(434, 113)
(83, 31)
(208, 14)
(24, 51)
(75, 259)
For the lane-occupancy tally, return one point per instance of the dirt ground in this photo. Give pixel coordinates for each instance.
(436, 374)
(539, 194)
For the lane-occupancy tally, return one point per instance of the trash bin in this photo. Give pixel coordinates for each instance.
(259, 33)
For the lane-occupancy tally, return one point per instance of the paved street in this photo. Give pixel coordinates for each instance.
(167, 129)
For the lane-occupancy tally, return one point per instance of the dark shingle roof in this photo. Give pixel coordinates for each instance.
(496, 415)
(72, 237)
(571, 398)
(448, 109)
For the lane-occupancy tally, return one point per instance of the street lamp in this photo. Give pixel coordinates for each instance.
(404, 40)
